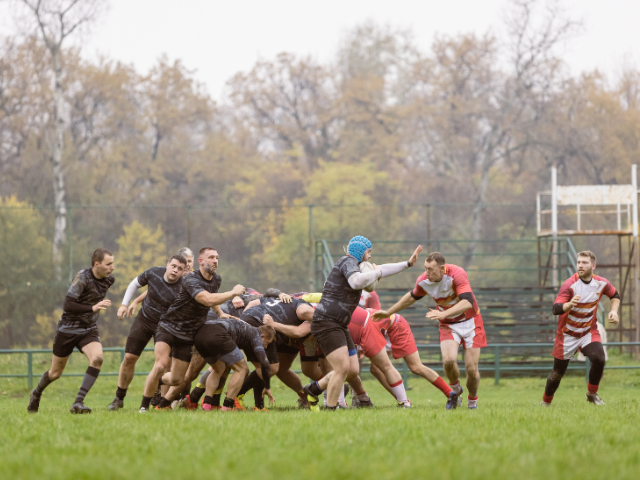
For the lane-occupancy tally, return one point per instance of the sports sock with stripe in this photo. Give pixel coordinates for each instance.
(472, 402)
(121, 393)
(399, 391)
(90, 377)
(440, 384)
(43, 383)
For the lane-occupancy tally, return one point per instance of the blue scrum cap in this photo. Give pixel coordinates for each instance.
(357, 246)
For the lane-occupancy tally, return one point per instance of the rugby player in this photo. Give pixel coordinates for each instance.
(177, 327)
(403, 345)
(220, 342)
(78, 328)
(164, 285)
(577, 305)
(340, 296)
(459, 317)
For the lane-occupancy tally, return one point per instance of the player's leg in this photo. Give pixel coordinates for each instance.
(196, 365)
(162, 352)
(240, 372)
(553, 381)
(179, 367)
(594, 351)
(449, 350)
(213, 384)
(471, 359)
(418, 368)
(93, 351)
(57, 367)
(288, 376)
(394, 380)
(377, 373)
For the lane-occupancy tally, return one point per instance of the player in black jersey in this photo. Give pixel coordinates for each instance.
(340, 297)
(164, 285)
(220, 342)
(78, 328)
(288, 311)
(177, 327)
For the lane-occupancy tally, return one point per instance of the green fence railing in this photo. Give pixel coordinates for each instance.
(495, 365)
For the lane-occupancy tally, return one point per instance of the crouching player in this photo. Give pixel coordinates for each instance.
(403, 345)
(219, 342)
(577, 304)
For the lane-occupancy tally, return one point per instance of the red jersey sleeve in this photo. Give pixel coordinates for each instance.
(460, 280)
(609, 290)
(566, 292)
(418, 291)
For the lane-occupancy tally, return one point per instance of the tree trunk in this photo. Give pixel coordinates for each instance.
(59, 191)
(476, 218)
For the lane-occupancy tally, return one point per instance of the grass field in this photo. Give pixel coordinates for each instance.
(510, 436)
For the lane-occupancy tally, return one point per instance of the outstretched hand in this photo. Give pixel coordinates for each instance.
(268, 393)
(378, 316)
(284, 298)
(414, 258)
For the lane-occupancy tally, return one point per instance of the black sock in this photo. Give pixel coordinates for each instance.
(164, 403)
(121, 393)
(331, 408)
(251, 382)
(89, 379)
(228, 402)
(315, 389)
(258, 400)
(43, 383)
(145, 402)
(160, 382)
(209, 401)
(196, 394)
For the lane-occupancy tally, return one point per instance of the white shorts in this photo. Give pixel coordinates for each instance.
(469, 334)
(566, 346)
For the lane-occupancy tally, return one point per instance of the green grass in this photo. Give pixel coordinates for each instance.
(510, 436)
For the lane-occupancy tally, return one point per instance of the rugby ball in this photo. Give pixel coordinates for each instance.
(367, 267)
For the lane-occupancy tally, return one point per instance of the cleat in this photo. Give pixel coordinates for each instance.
(168, 407)
(80, 408)
(176, 404)
(303, 404)
(34, 402)
(343, 407)
(405, 404)
(453, 401)
(226, 409)
(256, 409)
(143, 410)
(117, 404)
(545, 404)
(355, 403)
(238, 403)
(206, 407)
(187, 404)
(155, 400)
(365, 403)
(475, 407)
(312, 399)
(595, 399)
(460, 396)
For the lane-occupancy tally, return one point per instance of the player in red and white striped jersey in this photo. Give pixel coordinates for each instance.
(577, 304)
(459, 317)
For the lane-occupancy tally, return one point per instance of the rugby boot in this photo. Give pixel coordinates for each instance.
(188, 404)
(158, 407)
(311, 398)
(452, 403)
(365, 403)
(474, 407)
(79, 407)
(256, 409)
(34, 402)
(405, 404)
(207, 407)
(303, 404)
(143, 410)
(595, 399)
(155, 400)
(238, 404)
(116, 404)
(545, 404)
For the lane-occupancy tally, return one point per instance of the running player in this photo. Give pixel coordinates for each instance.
(78, 328)
(403, 345)
(577, 305)
(177, 327)
(220, 342)
(340, 297)
(459, 317)
(164, 285)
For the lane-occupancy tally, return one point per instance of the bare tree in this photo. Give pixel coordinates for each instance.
(54, 21)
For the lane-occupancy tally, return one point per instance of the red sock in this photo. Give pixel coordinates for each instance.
(442, 386)
(546, 399)
(472, 399)
(592, 388)
(360, 393)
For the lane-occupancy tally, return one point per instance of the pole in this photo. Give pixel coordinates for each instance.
(636, 247)
(554, 224)
(30, 369)
(70, 241)
(496, 366)
(311, 248)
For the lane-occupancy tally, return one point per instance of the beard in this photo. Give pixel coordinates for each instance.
(210, 269)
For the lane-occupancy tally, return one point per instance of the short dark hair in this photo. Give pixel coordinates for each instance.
(436, 257)
(268, 332)
(98, 255)
(588, 253)
(204, 249)
(179, 258)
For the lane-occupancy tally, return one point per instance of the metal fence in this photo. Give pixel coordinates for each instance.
(487, 364)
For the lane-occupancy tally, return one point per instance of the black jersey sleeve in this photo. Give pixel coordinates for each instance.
(78, 285)
(72, 306)
(192, 285)
(349, 267)
(143, 278)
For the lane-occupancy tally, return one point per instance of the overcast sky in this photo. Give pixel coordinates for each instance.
(218, 38)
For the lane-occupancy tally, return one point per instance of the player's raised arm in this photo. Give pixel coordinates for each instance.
(214, 299)
(406, 301)
(132, 289)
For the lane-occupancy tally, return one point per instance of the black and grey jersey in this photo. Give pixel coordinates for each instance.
(186, 315)
(339, 300)
(160, 294)
(281, 312)
(228, 308)
(88, 290)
